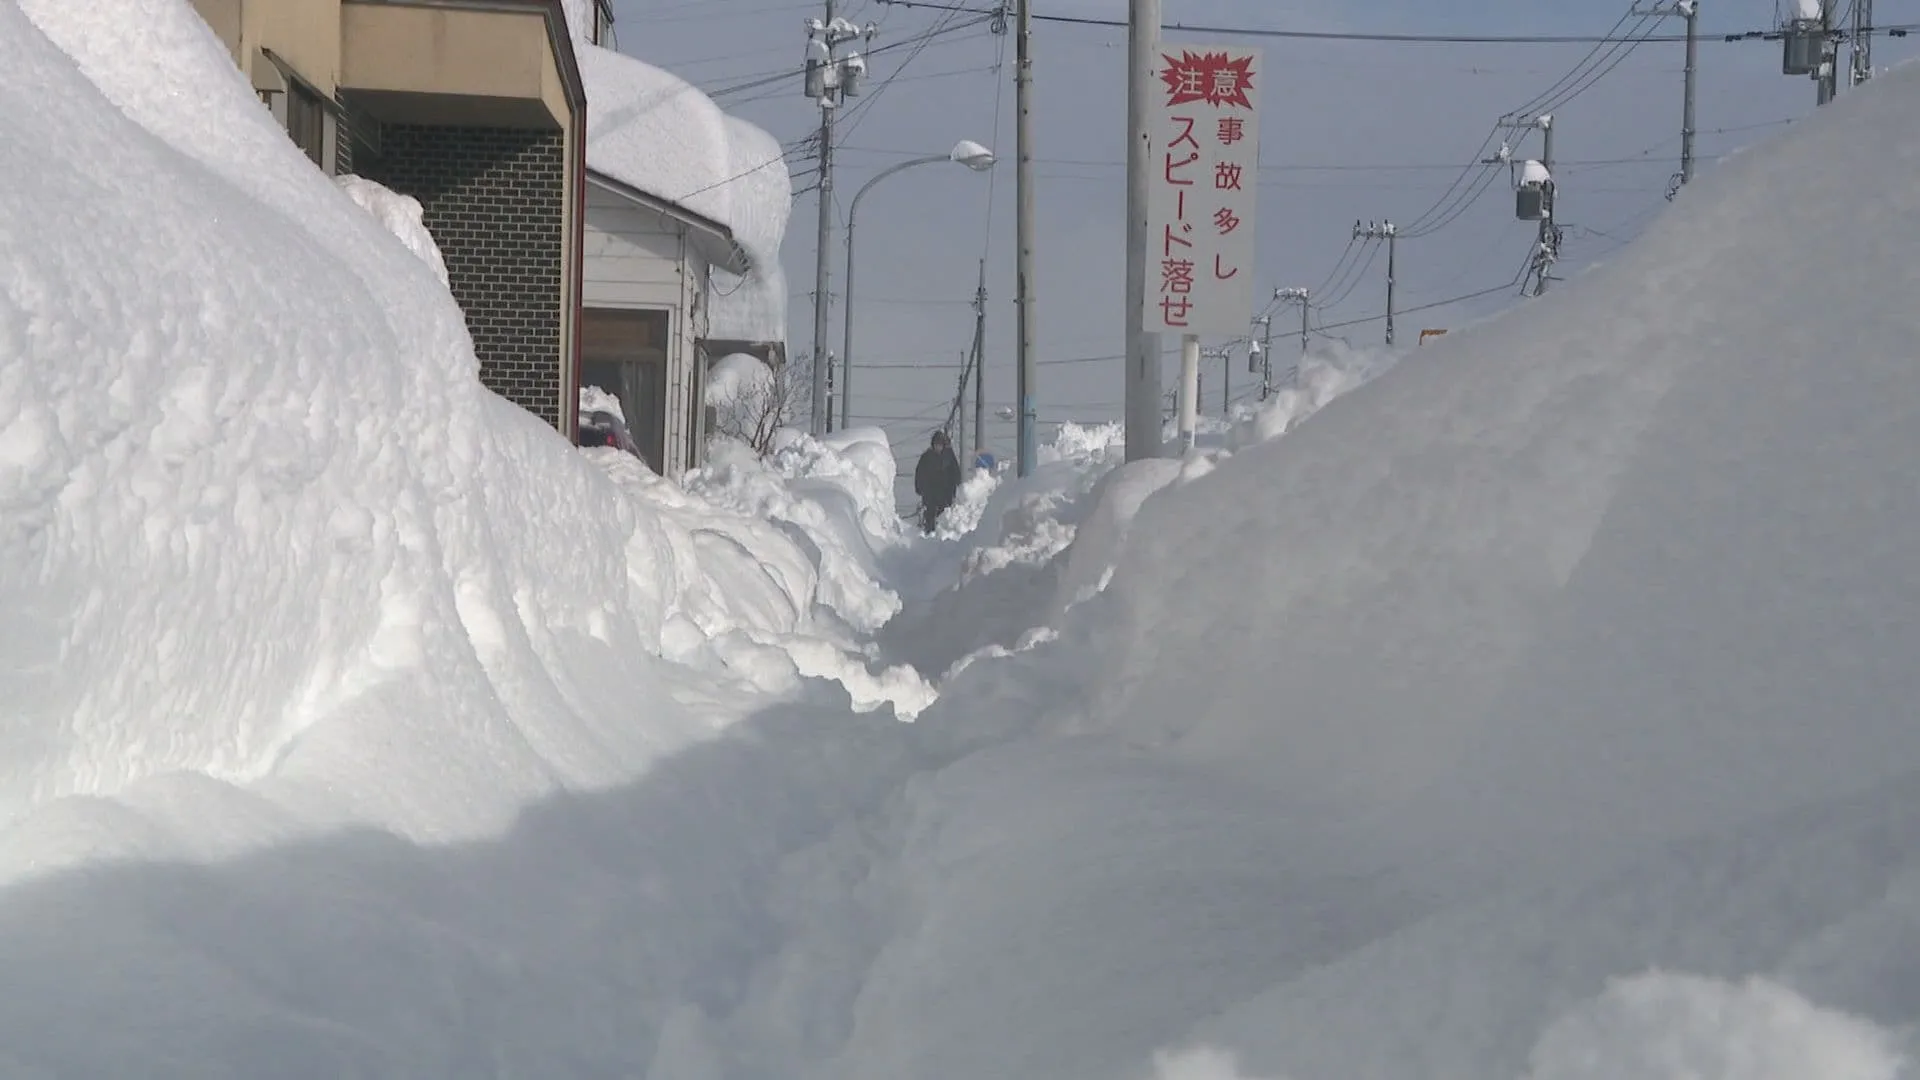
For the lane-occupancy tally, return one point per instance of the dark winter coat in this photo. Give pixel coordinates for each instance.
(937, 478)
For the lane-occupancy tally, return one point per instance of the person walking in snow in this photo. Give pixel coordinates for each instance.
(936, 480)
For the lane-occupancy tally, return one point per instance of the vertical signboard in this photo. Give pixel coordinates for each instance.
(1205, 163)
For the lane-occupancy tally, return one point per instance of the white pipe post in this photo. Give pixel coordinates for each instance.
(1189, 390)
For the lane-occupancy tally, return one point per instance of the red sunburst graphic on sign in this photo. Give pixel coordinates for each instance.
(1212, 77)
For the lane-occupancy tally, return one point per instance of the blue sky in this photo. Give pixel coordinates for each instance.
(1350, 130)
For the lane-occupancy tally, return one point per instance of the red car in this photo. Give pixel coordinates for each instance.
(605, 429)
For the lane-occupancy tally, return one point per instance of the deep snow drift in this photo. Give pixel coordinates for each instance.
(1540, 710)
(1576, 647)
(265, 556)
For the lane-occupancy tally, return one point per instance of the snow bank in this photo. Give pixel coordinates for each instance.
(1574, 647)
(1673, 1027)
(1203, 1063)
(267, 540)
(1033, 548)
(400, 215)
(833, 500)
(594, 399)
(737, 376)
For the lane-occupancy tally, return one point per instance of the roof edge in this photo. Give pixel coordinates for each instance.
(735, 261)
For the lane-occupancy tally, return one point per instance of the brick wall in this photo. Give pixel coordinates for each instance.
(494, 200)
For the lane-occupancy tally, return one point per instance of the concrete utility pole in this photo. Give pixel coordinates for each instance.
(979, 360)
(1862, 41)
(1384, 231)
(1023, 134)
(1143, 421)
(1304, 298)
(967, 369)
(1223, 353)
(1260, 354)
(831, 78)
(1690, 11)
(1546, 251)
(1827, 80)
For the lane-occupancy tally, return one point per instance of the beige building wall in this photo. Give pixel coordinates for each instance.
(441, 53)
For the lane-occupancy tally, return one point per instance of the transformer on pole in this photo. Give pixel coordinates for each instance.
(831, 78)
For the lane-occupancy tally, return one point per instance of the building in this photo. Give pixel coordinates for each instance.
(682, 245)
(478, 111)
(648, 271)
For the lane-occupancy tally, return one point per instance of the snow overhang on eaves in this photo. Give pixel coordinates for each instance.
(714, 241)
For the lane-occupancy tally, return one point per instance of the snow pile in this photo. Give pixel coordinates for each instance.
(1332, 369)
(1034, 548)
(1659, 1027)
(835, 493)
(830, 499)
(1011, 535)
(273, 558)
(1202, 1063)
(400, 215)
(1577, 648)
(969, 503)
(738, 378)
(593, 399)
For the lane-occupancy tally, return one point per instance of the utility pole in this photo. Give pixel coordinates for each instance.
(1143, 422)
(1260, 353)
(979, 361)
(1690, 11)
(1546, 250)
(1827, 79)
(1862, 40)
(960, 407)
(1223, 353)
(1023, 134)
(1304, 298)
(1388, 232)
(831, 78)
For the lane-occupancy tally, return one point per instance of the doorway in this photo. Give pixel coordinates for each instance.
(624, 352)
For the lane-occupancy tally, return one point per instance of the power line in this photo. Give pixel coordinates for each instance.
(1361, 35)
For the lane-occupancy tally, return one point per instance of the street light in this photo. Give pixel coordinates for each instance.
(965, 152)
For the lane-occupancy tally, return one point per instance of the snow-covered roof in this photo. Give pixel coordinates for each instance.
(712, 239)
(754, 307)
(656, 133)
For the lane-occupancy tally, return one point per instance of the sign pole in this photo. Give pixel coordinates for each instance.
(1189, 390)
(1197, 257)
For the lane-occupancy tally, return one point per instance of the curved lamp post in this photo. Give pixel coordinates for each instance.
(965, 152)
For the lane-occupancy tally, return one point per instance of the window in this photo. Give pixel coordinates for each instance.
(307, 122)
(625, 353)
